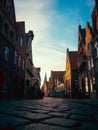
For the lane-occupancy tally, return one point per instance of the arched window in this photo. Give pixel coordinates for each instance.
(11, 36)
(6, 29)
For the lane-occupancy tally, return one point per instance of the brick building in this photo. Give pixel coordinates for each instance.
(56, 81)
(35, 91)
(71, 76)
(7, 47)
(29, 63)
(82, 61)
(20, 59)
(95, 43)
(16, 63)
(57, 77)
(90, 62)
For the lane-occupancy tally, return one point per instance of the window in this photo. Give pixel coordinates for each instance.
(6, 29)
(19, 61)
(21, 41)
(92, 63)
(15, 58)
(17, 37)
(11, 36)
(10, 10)
(89, 67)
(6, 53)
(96, 49)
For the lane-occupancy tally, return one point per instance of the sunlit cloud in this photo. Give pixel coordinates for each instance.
(54, 31)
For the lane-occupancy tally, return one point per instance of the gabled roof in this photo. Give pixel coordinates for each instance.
(83, 33)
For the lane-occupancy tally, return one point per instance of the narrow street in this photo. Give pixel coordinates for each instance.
(49, 114)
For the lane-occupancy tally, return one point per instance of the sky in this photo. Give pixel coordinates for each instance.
(55, 26)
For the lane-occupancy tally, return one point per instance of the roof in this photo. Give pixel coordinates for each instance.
(73, 59)
(83, 32)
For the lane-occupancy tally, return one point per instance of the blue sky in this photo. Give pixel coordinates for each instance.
(55, 26)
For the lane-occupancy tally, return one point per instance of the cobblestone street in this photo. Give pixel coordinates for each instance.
(49, 114)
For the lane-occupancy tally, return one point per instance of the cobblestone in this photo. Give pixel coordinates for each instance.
(49, 114)
(41, 127)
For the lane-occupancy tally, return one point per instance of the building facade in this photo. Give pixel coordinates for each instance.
(57, 77)
(95, 43)
(56, 82)
(20, 59)
(7, 47)
(71, 76)
(90, 62)
(82, 61)
(17, 72)
(29, 63)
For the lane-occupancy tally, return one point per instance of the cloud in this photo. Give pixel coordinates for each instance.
(54, 32)
(90, 3)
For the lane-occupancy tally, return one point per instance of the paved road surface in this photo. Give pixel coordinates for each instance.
(49, 114)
